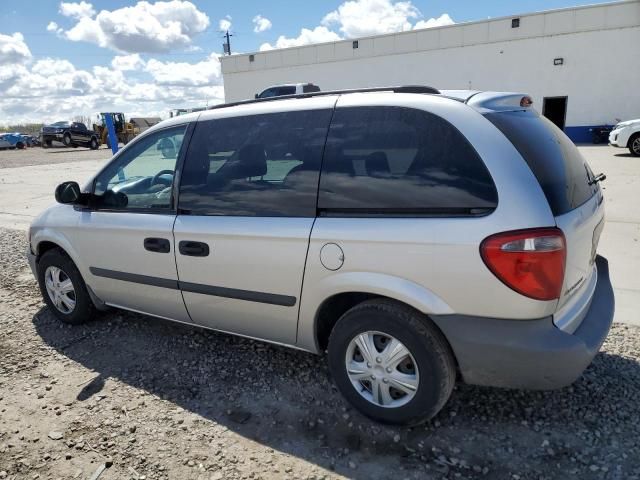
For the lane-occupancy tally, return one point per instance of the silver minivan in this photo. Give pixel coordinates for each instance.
(416, 238)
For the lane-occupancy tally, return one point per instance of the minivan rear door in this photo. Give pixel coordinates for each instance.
(247, 205)
(570, 187)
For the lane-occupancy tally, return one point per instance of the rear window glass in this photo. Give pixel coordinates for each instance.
(555, 161)
(401, 160)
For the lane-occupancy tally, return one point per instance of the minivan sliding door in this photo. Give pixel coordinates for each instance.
(247, 204)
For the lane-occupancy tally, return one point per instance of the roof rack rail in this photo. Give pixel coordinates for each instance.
(398, 89)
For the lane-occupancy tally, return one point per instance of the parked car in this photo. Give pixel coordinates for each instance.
(12, 141)
(627, 135)
(288, 89)
(71, 134)
(414, 238)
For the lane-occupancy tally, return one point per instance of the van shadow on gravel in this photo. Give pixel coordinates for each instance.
(285, 400)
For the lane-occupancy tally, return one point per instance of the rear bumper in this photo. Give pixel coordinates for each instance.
(530, 354)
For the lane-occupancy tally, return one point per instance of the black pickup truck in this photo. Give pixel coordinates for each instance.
(71, 134)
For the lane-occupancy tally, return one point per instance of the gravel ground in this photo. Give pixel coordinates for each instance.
(39, 156)
(156, 400)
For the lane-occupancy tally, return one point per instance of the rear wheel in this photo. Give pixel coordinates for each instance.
(391, 363)
(19, 145)
(634, 145)
(93, 145)
(63, 288)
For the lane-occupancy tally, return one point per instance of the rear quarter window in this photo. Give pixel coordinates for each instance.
(396, 160)
(565, 177)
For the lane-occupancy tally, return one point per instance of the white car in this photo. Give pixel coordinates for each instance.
(627, 134)
(288, 89)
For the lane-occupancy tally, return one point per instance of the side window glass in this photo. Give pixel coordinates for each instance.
(286, 90)
(261, 165)
(142, 177)
(268, 93)
(401, 160)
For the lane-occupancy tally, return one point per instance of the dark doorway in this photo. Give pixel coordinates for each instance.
(555, 109)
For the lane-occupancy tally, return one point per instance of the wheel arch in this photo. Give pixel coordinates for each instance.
(632, 137)
(43, 242)
(338, 293)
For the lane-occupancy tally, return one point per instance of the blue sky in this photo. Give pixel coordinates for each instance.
(59, 59)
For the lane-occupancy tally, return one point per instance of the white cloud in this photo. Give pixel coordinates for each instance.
(441, 21)
(206, 72)
(77, 10)
(53, 89)
(13, 49)
(261, 24)
(358, 18)
(306, 37)
(225, 23)
(127, 62)
(145, 27)
(54, 28)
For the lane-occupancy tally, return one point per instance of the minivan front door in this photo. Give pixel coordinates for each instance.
(246, 209)
(126, 238)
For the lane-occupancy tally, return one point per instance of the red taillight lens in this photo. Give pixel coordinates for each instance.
(531, 262)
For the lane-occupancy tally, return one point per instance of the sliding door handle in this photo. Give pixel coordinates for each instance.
(158, 245)
(193, 249)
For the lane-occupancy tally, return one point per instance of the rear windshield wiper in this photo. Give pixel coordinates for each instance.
(598, 178)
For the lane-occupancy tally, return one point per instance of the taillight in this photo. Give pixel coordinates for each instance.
(531, 262)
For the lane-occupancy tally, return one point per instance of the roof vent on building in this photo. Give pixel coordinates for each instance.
(355, 44)
(515, 22)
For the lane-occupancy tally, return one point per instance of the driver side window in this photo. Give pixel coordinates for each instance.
(142, 177)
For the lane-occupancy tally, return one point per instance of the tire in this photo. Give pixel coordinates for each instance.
(19, 145)
(634, 145)
(83, 310)
(66, 139)
(47, 144)
(93, 144)
(434, 370)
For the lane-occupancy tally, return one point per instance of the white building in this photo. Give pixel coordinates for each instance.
(581, 65)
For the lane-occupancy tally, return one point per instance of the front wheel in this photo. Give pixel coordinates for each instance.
(391, 363)
(63, 288)
(93, 145)
(634, 145)
(66, 139)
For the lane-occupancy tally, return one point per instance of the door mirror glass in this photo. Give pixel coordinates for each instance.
(68, 193)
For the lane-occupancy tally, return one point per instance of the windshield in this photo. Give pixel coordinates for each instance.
(60, 124)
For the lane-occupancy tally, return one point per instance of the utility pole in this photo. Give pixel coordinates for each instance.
(226, 47)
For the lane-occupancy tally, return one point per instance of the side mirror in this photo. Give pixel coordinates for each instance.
(68, 193)
(256, 96)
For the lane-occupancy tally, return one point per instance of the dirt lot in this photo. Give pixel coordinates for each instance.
(50, 156)
(158, 400)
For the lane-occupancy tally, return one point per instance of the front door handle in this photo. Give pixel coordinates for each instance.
(158, 245)
(193, 249)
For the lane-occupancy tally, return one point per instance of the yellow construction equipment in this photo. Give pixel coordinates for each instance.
(125, 131)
